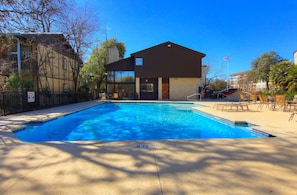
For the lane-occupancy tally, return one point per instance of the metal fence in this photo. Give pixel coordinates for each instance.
(11, 103)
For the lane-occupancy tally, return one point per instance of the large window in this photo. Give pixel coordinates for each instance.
(121, 76)
(121, 82)
(124, 76)
(125, 91)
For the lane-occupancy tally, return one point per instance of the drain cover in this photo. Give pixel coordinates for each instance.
(144, 145)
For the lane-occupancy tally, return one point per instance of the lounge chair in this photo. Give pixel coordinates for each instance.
(231, 105)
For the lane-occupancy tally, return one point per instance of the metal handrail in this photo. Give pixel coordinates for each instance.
(195, 94)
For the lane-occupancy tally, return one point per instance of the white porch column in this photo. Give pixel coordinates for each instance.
(159, 88)
(137, 87)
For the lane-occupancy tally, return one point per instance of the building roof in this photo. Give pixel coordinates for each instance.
(40, 37)
(168, 44)
(163, 60)
(126, 64)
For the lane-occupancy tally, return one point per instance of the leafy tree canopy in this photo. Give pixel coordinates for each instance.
(93, 71)
(261, 66)
(13, 83)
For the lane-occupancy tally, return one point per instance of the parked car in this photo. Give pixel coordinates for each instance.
(225, 92)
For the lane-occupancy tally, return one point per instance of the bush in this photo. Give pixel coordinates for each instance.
(290, 95)
(264, 92)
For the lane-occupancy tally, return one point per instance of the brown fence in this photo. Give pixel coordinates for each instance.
(11, 103)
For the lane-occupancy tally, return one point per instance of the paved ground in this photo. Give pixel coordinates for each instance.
(225, 166)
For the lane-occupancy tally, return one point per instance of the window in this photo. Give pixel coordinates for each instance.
(147, 87)
(64, 63)
(121, 82)
(138, 61)
(121, 76)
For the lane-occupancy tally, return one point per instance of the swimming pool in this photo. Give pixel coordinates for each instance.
(135, 121)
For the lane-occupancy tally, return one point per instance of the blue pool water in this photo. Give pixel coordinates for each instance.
(134, 121)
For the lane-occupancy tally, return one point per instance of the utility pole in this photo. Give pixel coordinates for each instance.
(227, 59)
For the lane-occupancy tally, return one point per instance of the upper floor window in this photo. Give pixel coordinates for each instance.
(64, 63)
(121, 76)
(138, 61)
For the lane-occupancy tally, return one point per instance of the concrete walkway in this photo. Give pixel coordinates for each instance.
(217, 166)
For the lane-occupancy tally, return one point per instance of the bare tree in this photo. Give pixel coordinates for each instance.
(7, 66)
(30, 16)
(79, 28)
(77, 24)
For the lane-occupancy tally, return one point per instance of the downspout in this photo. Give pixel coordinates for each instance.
(19, 71)
(18, 53)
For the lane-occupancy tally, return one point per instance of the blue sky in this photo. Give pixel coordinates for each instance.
(242, 29)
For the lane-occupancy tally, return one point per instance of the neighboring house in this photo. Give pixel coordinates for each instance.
(167, 71)
(47, 60)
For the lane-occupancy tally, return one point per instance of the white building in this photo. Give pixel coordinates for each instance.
(242, 81)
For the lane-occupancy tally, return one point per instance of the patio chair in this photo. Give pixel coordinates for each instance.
(243, 97)
(293, 104)
(253, 97)
(280, 101)
(263, 101)
(115, 96)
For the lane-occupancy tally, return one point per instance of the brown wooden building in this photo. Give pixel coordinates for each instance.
(47, 60)
(167, 71)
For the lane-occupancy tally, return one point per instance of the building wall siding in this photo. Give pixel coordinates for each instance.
(168, 60)
(51, 71)
(180, 88)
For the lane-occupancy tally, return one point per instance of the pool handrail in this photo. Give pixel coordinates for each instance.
(194, 94)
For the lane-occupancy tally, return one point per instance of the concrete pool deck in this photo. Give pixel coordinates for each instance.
(217, 166)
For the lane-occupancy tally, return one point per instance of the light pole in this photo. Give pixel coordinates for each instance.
(106, 74)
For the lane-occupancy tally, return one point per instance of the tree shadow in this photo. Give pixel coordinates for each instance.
(165, 167)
